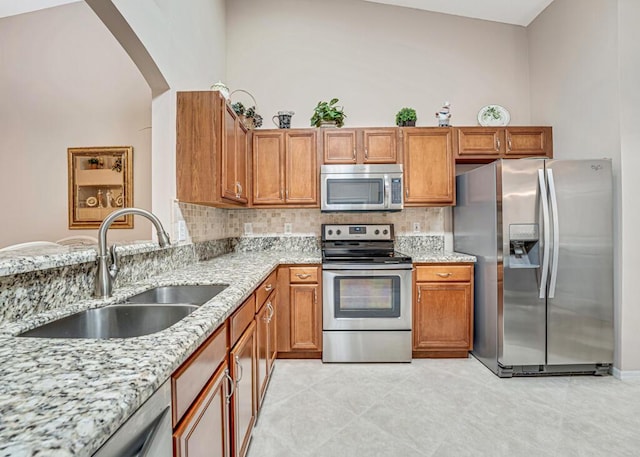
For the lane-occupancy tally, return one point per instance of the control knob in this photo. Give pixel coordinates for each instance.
(338, 232)
(330, 232)
(385, 231)
(377, 232)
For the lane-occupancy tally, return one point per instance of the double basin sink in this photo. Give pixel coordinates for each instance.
(145, 313)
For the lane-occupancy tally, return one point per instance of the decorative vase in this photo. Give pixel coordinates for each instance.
(328, 124)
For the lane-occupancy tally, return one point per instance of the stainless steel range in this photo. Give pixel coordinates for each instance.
(366, 311)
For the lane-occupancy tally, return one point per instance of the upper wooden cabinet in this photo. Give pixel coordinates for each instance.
(368, 145)
(285, 170)
(211, 151)
(428, 166)
(485, 144)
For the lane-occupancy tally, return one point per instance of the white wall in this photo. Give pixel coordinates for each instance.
(186, 40)
(375, 58)
(65, 82)
(629, 54)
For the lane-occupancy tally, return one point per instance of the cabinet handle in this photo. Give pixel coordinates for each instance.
(354, 153)
(419, 294)
(366, 153)
(268, 287)
(303, 275)
(287, 194)
(444, 275)
(240, 370)
(509, 142)
(497, 144)
(280, 194)
(271, 311)
(315, 296)
(232, 386)
(406, 192)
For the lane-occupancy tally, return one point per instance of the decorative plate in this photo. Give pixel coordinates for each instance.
(92, 201)
(493, 116)
(119, 200)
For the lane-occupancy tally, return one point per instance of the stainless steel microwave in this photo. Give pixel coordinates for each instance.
(361, 187)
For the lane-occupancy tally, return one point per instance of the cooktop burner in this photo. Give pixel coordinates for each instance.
(360, 243)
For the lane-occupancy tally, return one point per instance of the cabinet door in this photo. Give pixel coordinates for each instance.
(301, 168)
(268, 168)
(262, 352)
(205, 429)
(529, 141)
(428, 167)
(228, 170)
(305, 318)
(442, 316)
(339, 145)
(379, 145)
(243, 401)
(479, 142)
(272, 350)
(241, 171)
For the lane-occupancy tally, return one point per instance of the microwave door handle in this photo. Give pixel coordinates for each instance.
(387, 191)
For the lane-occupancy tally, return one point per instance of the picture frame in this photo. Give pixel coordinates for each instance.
(100, 181)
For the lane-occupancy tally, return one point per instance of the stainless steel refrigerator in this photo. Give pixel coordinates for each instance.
(542, 231)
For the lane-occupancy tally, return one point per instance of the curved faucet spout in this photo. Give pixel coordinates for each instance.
(105, 274)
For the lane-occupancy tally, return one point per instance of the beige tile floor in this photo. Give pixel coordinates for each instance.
(442, 408)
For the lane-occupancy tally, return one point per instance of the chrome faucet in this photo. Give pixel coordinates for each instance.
(106, 273)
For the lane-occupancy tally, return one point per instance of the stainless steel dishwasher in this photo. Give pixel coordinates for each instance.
(147, 433)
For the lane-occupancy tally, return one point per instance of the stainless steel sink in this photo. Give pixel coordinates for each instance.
(114, 321)
(191, 294)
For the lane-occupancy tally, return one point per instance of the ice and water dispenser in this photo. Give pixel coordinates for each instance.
(524, 246)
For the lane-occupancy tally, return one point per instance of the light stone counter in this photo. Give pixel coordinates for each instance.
(65, 397)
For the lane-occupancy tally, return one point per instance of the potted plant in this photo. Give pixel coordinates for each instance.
(328, 113)
(93, 162)
(406, 117)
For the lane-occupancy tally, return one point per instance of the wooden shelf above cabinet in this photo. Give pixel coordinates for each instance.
(486, 144)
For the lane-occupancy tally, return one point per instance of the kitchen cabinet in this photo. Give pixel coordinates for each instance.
(485, 144)
(205, 430)
(429, 168)
(243, 401)
(365, 145)
(299, 312)
(266, 304)
(200, 396)
(285, 168)
(211, 151)
(443, 310)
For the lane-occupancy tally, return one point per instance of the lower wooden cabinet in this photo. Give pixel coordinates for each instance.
(443, 310)
(205, 429)
(243, 400)
(266, 344)
(300, 312)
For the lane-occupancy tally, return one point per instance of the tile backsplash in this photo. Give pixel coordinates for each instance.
(205, 223)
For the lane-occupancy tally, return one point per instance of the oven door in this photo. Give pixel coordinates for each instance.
(369, 297)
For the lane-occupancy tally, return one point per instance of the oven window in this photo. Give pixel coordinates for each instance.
(355, 191)
(367, 296)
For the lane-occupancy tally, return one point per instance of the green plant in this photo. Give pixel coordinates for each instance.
(405, 116)
(328, 112)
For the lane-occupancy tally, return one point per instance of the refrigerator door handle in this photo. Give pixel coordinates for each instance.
(556, 234)
(544, 199)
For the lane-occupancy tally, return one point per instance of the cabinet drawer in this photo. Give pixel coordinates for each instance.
(188, 380)
(242, 318)
(299, 275)
(443, 273)
(267, 286)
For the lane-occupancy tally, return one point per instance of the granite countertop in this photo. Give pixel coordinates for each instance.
(65, 397)
(428, 256)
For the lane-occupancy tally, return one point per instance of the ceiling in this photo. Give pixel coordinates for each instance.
(520, 12)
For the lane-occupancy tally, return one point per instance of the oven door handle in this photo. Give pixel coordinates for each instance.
(366, 266)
